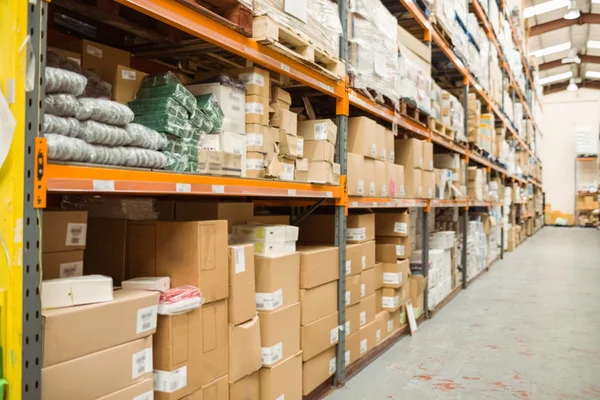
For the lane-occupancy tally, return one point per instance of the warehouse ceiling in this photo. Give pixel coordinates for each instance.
(571, 37)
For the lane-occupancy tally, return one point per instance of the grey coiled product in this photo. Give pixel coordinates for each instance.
(63, 81)
(64, 148)
(105, 111)
(60, 125)
(145, 137)
(60, 104)
(98, 133)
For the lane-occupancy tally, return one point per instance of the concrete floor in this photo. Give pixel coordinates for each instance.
(527, 329)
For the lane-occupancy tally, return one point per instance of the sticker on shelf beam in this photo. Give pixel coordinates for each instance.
(183, 187)
(329, 194)
(285, 67)
(326, 87)
(354, 204)
(218, 188)
(103, 186)
(292, 192)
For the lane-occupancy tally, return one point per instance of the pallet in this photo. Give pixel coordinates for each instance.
(441, 129)
(412, 112)
(297, 46)
(231, 14)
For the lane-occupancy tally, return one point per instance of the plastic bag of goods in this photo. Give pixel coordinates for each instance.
(102, 110)
(64, 148)
(62, 81)
(167, 78)
(175, 162)
(212, 110)
(166, 123)
(178, 92)
(161, 105)
(60, 125)
(60, 104)
(95, 87)
(98, 133)
(179, 300)
(145, 137)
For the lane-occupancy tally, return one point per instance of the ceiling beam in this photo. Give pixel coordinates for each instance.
(559, 87)
(563, 23)
(557, 63)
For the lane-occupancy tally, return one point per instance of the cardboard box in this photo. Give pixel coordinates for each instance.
(409, 153)
(62, 264)
(288, 169)
(247, 388)
(242, 286)
(368, 255)
(400, 185)
(391, 252)
(427, 156)
(352, 289)
(99, 57)
(318, 336)
(272, 219)
(216, 390)
(141, 390)
(382, 318)
(381, 189)
(354, 259)
(64, 231)
(367, 310)
(318, 369)
(283, 381)
(360, 227)
(356, 175)
(380, 137)
(428, 184)
(352, 323)
(379, 298)
(255, 165)
(232, 102)
(277, 281)
(362, 137)
(369, 177)
(71, 55)
(67, 332)
(235, 213)
(389, 146)
(320, 129)
(281, 97)
(413, 183)
(257, 110)
(367, 338)
(318, 302)
(257, 80)
(106, 252)
(125, 83)
(245, 353)
(319, 150)
(318, 265)
(288, 146)
(279, 334)
(259, 138)
(392, 299)
(318, 172)
(190, 253)
(99, 374)
(417, 288)
(286, 121)
(396, 274)
(378, 271)
(353, 353)
(391, 177)
(391, 223)
(367, 283)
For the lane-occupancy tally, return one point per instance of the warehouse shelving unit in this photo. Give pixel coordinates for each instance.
(20, 311)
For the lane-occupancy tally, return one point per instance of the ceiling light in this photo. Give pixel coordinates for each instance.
(572, 85)
(545, 7)
(572, 12)
(593, 74)
(593, 44)
(550, 50)
(555, 78)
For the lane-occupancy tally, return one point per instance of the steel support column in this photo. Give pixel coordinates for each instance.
(466, 210)
(425, 258)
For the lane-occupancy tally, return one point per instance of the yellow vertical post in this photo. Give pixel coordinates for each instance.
(13, 31)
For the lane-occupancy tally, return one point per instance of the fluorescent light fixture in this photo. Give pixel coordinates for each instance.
(593, 74)
(555, 78)
(593, 44)
(545, 7)
(572, 12)
(572, 85)
(550, 50)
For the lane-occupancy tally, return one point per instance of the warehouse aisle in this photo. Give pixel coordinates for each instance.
(527, 329)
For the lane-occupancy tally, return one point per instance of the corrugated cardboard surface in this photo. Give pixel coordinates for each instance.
(235, 213)
(247, 388)
(281, 326)
(365, 221)
(367, 283)
(409, 152)
(352, 290)
(318, 302)
(319, 336)
(125, 83)
(361, 137)
(352, 319)
(368, 255)
(413, 183)
(318, 265)
(190, 253)
(284, 379)
(106, 252)
(272, 274)
(381, 189)
(353, 348)
(367, 310)
(378, 275)
(53, 264)
(242, 294)
(244, 349)
(95, 375)
(316, 370)
(74, 332)
(378, 296)
(353, 259)
(61, 231)
(401, 272)
(392, 223)
(144, 387)
(367, 337)
(369, 177)
(355, 178)
(216, 390)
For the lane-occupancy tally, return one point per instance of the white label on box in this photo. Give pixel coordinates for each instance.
(183, 187)
(320, 131)
(390, 302)
(128, 75)
(271, 355)
(347, 298)
(288, 172)
(146, 319)
(374, 150)
(392, 278)
(99, 185)
(383, 190)
(364, 262)
(399, 250)
(332, 366)
(269, 301)
(363, 346)
(402, 191)
(363, 318)
(347, 358)
(282, 397)
(356, 234)
(255, 164)
(363, 289)
(149, 395)
(67, 270)
(429, 192)
(169, 382)
(239, 259)
(300, 146)
(348, 267)
(382, 155)
(360, 187)
(76, 234)
(420, 191)
(334, 335)
(254, 139)
(218, 188)
(401, 227)
(141, 362)
(392, 156)
(347, 327)
(431, 164)
(252, 78)
(390, 325)
(96, 52)
(371, 188)
(255, 108)
(378, 335)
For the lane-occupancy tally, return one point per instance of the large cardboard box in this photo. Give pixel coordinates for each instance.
(99, 57)
(141, 390)
(257, 110)
(62, 264)
(260, 138)
(235, 213)
(320, 129)
(257, 80)
(381, 189)
(106, 252)
(367, 337)
(245, 355)
(279, 334)
(318, 369)
(391, 223)
(354, 259)
(356, 175)
(409, 153)
(352, 353)
(242, 286)
(318, 265)
(360, 227)
(428, 184)
(389, 249)
(99, 374)
(378, 270)
(277, 281)
(283, 381)
(75, 332)
(247, 388)
(125, 83)
(64, 231)
(319, 335)
(427, 156)
(319, 150)
(378, 298)
(367, 283)
(367, 255)
(352, 290)
(396, 274)
(381, 142)
(216, 390)
(413, 183)
(400, 188)
(381, 321)
(391, 178)
(362, 137)
(367, 310)
(389, 146)
(190, 253)
(285, 120)
(369, 177)
(318, 302)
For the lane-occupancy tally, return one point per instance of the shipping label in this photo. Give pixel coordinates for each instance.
(128, 75)
(360, 187)
(373, 150)
(252, 78)
(146, 319)
(401, 227)
(76, 234)
(363, 290)
(390, 302)
(271, 355)
(378, 336)
(392, 278)
(347, 298)
(392, 156)
(269, 301)
(383, 190)
(356, 233)
(390, 325)
(332, 366)
(371, 188)
(348, 267)
(169, 382)
(400, 250)
(239, 259)
(93, 50)
(320, 131)
(363, 318)
(255, 164)
(347, 358)
(141, 362)
(363, 346)
(382, 155)
(255, 108)
(300, 146)
(364, 262)
(288, 172)
(334, 335)
(68, 270)
(254, 139)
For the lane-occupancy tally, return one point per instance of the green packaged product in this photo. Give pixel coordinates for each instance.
(175, 162)
(161, 105)
(167, 78)
(207, 126)
(197, 117)
(191, 150)
(209, 105)
(193, 167)
(177, 92)
(174, 144)
(165, 123)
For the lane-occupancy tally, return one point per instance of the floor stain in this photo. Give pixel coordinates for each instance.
(500, 385)
(424, 377)
(445, 387)
(471, 378)
(491, 346)
(527, 353)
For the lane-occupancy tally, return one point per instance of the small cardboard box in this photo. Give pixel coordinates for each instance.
(391, 223)
(257, 110)
(413, 183)
(286, 121)
(381, 189)
(320, 129)
(125, 83)
(360, 227)
(280, 96)
(367, 337)
(283, 381)
(409, 153)
(62, 264)
(242, 292)
(367, 255)
(352, 324)
(354, 259)
(318, 302)
(367, 283)
(100, 57)
(64, 231)
(245, 354)
(417, 288)
(369, 177)
(247, 388)
(389, 146)
(257, 80)
(318, 265)
(389, 252)
(319, 335)
(392, 299)
(277, 281)
(352, 290)
(259, 138)
(318, 369)
(289, 146)
(279, 334)
(396, 274)
(428, 184)
(362, 137)
(367, 310)
(427, 156)
(356, 175)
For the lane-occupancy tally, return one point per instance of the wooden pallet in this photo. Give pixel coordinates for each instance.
(297, 46)
(441, 129)
(411, 112)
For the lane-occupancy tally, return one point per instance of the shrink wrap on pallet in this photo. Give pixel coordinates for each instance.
(63, 81)
(102, 110)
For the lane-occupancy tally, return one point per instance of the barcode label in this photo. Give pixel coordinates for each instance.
(239, 259)
(286, 68)
(364, 262)
(392, 156)
(390, 325)
(334, 335)
(271, 355)
(356, 234)
(401, 227)
(320, 131)
(67, 270)
(347, 327)
(363, 346)
(254, 139)
(360, 187)
(103, 186)
(141, 362)
(96, 52)
(169, 382)
(363, 318)
(128, 75)
(146, 319)
(269, 301)
(374, 150)
(400, 250)
(149, 395)
(390, 302)
(255, 108)
(378, 335)
(292, 192)
(332, 366)
(282, 397)
(382, 155)
(392, 278)
(383, 190)
(347, 358)
(255, 164)
(372, 188)
(363, 289)
(348, 267)
(300, 146)
(76, 234)
(252, 78)
(347, 298)
(183, 187)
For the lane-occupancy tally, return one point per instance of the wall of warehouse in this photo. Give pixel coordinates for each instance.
(563, 112)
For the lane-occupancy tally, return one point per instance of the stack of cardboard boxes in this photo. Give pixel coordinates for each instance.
(63, 246)
(291, 146)
(476, 183)
(318, 164)
(416, 156)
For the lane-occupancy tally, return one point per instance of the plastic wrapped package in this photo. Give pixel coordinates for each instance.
(167, 78)
(165, 123)
(63, 81)
(175, 162)
(322, 25)
(134, 208)
(146, 138)
(60, 125)
(61, 105)
(179, 300)
(109, 135)
(140, 158)
(64, 148)
(178, 92)
(102, 110)
(161, 105)
(95, 87)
